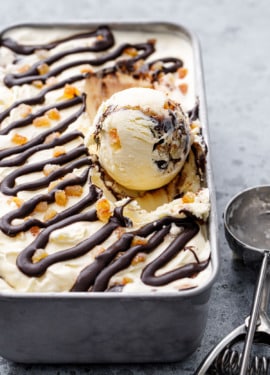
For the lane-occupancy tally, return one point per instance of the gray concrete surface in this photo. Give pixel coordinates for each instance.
(235, 43)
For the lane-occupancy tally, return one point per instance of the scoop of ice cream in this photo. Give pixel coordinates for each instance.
(142, 137)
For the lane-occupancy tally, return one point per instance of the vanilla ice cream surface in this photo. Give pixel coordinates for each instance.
(68, 223)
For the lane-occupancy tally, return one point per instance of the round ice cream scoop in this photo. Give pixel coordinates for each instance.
(142, 137)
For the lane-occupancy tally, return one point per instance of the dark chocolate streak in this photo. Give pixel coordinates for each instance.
(33, 74)
(106, 41)
(97, 275)
(24, 260)
(120, 254)
(28, 207)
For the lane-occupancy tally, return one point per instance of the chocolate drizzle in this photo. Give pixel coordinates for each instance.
(104, 41)
(119, 255)
(97, 275)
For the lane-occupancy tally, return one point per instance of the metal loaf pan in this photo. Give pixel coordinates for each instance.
(113, 327)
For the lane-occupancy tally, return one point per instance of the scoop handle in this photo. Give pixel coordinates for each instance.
(253, 320)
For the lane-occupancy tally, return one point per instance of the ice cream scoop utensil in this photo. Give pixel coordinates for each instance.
(224, 359)
(247, 209)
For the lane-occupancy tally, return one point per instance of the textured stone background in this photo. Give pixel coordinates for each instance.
(235, 44)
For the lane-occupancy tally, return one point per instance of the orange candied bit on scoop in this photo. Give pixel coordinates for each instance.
(70, 91)
(183, 88)
(19, 139)
(41, 121)
(114, 138)
(58, 151)
(193, 125)
(169, 105)
(43, 69)
(60, 197)
(182, 72)
(74, 190)
(53, 114)
(103, 209)
(189, 197)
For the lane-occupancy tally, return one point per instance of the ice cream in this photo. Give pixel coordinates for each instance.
(142, 138)
(67, 223)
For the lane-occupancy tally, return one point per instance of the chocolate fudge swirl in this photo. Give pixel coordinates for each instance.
(24, 260)
(33, 74)
(96, 276)
(118, 256)
(28, 207)
(103, 34)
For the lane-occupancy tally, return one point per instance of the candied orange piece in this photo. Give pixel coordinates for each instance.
(38, 84)
(183, 88)
(18, 201)
(132, 52)
(139, 258)
(60, 197)
(34, 230)
(169, 105)
(53, 114)
(19, 139)
(41, 121)
(103, 209)
(50, 214)
(49, 168)
(41, 207)
(86, 69)
(51, 137)
(100, 37)
(182, 72)
(53, 184)
(137, 240)
(43, 69)
(74, 190)
(193, 125)
(24, 68)
(58, 151)
(127, 280)
(189, 197)
(70, 91)
(25, 110)
(39, 255)
(114, 138)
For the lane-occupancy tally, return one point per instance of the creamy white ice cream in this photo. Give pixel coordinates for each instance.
(63, 225)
